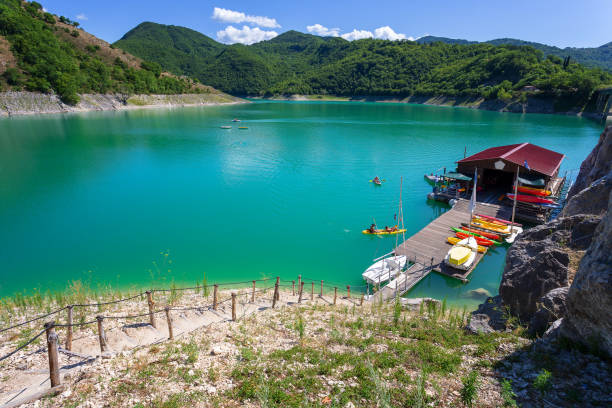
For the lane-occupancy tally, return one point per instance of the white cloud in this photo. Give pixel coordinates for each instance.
(323, 31)
(81, 17)
(231, 16)
(357, 35)
(387, 33)
(246, 35)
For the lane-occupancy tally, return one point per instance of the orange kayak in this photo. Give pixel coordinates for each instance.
(534, 191)
(480, 232)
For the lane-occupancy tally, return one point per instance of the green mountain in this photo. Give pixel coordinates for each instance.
(592, 57)
(297, 63)
(45, 53)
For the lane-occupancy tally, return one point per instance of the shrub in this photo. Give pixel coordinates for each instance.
(470, 388)
(74, 33)
(542, 381)
(12, 76)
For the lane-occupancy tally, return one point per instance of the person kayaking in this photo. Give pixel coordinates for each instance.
(387, 229)
(372, 229)
(376, 180)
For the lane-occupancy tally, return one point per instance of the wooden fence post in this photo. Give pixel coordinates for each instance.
(215, 290)
(253, 293)
(293, 287)
(301, 289)
(233, 307)
(321, 295)
(348, 291)
(69, 329)
(311, 290)
(335, 294)
(299, 281)
(101, 335)
(275, 295)
(151, 305)
(169, 319)
(54, 374)
(361, 301)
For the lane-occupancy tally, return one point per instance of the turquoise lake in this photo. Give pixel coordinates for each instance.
(127, 198)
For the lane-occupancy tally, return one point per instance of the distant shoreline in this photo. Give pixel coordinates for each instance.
(533, 104)
(33, 103)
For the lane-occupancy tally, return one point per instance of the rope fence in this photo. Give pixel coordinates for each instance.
(246, 295)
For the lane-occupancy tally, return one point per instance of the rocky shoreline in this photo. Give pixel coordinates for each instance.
(31, 103)
(533, 104)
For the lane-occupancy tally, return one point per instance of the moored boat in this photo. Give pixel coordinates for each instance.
(384, 269)
(476, 235)
(472, 228)
(499, 220)
(462, 254)
(496, 228)
(226, 127)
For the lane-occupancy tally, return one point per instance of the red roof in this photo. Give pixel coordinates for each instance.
(539, 159)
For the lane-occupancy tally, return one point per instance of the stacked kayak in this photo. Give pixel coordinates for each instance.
(499, 229)
(476, 235)
(512, 229)
(524, 198)
(482, 232)
(481, 241)
(534, 191)
(454, 240)
(462, 254)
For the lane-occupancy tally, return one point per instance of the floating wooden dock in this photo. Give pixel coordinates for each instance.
(427, 248)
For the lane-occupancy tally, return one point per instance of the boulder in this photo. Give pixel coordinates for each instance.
(592, 199)
(597, 164)
(488, 317)
(551, 307)
(533, 268)
(589, 301)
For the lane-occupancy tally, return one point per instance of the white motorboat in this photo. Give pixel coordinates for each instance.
(462, 254)
(385, 269)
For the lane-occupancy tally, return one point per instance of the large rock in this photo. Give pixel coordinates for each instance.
(551, 307)
(597, 164)
(592, 200)
(488, 317)
(589, 301)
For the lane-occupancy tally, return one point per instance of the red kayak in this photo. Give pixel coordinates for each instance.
(499, 220)
(481, 241)
(480, 232)
(530, 199)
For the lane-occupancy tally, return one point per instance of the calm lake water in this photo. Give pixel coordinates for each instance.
(124, 198)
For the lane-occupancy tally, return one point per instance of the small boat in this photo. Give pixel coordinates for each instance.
(235, 120)
(377, 181)
(475, 234)
(534, 191)
(385, 269)
(432, 179)
(226, 127)
(462, 254)
(530, 199)
(242, 127)
(454, 240)
(465, 226)
(383, 232)
(493, 219)
(481, 241)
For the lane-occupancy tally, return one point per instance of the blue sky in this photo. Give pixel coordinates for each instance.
(562, 22)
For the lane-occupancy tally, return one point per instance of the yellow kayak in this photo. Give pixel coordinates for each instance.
(454, 240)
(479, 222)
(383, 232)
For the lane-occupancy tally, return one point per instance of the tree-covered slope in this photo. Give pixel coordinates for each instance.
(592, 57)
(301, 63)
(46, 53)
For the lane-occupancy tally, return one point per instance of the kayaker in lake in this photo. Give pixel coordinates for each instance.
(376, 180)
(372, 228)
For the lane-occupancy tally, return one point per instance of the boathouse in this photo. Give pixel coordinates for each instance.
(497, 168)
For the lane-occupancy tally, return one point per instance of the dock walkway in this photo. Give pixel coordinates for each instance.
(429, 246)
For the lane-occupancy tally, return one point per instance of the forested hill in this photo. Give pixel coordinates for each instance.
(45, 53)
(297, 63)
(590, 56)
